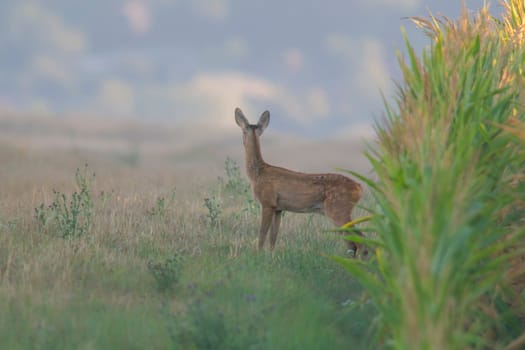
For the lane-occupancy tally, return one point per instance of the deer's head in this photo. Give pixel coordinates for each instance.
(251, 131)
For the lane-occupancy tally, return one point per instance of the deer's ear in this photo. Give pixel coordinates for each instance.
(240, 119)
(263, 122)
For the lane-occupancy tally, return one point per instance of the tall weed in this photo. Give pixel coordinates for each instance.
(70, 217)
(236, 185)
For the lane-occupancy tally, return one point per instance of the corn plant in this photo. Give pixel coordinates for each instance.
(447, 224)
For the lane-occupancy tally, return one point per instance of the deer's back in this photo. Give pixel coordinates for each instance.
(300, 192)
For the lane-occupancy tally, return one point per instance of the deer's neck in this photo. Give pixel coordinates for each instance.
(254, 160)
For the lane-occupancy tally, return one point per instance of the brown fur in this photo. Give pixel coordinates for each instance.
(279, 189)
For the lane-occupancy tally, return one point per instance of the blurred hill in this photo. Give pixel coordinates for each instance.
(190, 152)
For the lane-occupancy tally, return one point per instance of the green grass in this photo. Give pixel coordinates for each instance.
(161, 270)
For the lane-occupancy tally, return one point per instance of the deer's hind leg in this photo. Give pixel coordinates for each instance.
(274, 229)
(267, 218)
(340, 214)
(352, 247)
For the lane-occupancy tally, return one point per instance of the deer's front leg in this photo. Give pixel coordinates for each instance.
(266, 220)
(274, 230)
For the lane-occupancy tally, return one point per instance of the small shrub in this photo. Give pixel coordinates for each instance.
(210, 322)
(71, 217)
(206, 328)
(166, 273)
(104, 197)
(214, 210)
(236, 184)
(159, 209)
(252, 206)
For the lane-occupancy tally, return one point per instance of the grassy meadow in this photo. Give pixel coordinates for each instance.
(152, 244)
(113, 249)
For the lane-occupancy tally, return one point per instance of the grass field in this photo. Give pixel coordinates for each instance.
(115, 236)
(141, 254)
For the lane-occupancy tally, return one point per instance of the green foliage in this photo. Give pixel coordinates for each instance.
(205, 328)
(159, 209)
(244, 304)
(445, 215)
(236, 185)
(80, 324)
(162, 204)
(251, 206)
(70, 217)
(104, 198)
(214, 210)
(235, 182)
(167, 272)
(208, 324)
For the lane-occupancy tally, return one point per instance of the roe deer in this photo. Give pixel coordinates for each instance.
(279, 189)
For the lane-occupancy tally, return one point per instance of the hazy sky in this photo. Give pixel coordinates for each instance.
(318, 66)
